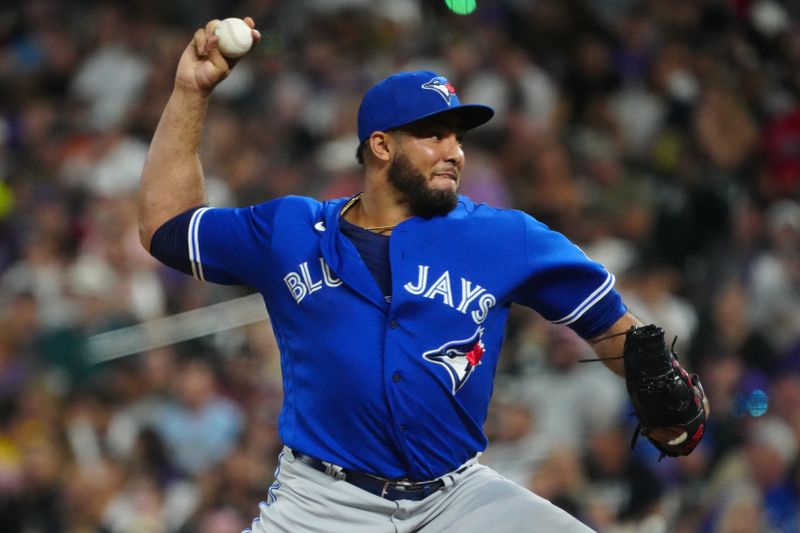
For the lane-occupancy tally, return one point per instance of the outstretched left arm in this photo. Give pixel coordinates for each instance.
(609, 345)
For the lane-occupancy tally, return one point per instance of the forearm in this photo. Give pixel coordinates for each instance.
(172, 178)
(609, 345)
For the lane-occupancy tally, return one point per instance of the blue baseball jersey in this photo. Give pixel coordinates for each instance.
(400, 386)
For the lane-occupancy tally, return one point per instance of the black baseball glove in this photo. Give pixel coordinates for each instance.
(662, 393)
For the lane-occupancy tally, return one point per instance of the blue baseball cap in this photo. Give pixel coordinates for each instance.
(407, 97)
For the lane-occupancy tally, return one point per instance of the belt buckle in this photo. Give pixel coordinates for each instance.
(399, 485)
(335, 471)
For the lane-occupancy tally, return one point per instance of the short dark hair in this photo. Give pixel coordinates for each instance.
(360, 151)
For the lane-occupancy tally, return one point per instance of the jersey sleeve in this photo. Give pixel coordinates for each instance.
(221, 245)
(564, 285)
(169, 244)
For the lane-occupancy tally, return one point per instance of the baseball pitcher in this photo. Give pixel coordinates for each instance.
(389, 308)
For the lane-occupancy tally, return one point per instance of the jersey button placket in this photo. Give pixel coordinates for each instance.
(397, 377)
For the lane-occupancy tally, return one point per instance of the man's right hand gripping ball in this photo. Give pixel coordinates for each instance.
(202, 66)
(663, 394)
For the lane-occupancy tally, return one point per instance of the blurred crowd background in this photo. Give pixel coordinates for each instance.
(662, 136)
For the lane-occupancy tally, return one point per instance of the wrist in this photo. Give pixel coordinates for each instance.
(190, 93)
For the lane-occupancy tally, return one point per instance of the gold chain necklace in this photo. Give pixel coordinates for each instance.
(353, 201)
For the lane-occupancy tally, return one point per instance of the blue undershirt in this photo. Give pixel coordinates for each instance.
(374, 251)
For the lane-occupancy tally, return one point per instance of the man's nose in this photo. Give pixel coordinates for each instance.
(453, 153)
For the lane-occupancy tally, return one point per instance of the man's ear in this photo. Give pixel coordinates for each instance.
(382, 145)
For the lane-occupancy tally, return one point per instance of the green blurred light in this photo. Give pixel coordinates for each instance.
(461, 7)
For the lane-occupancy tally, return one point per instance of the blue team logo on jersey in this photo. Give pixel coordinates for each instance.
(459, 358)
(441, 86)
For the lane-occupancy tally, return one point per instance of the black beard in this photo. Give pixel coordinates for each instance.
(422, 200)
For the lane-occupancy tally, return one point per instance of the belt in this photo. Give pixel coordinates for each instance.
(388, 489)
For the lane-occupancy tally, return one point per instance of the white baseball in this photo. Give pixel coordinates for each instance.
(235, 37)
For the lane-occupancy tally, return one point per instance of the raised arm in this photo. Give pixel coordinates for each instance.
(172, 178)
